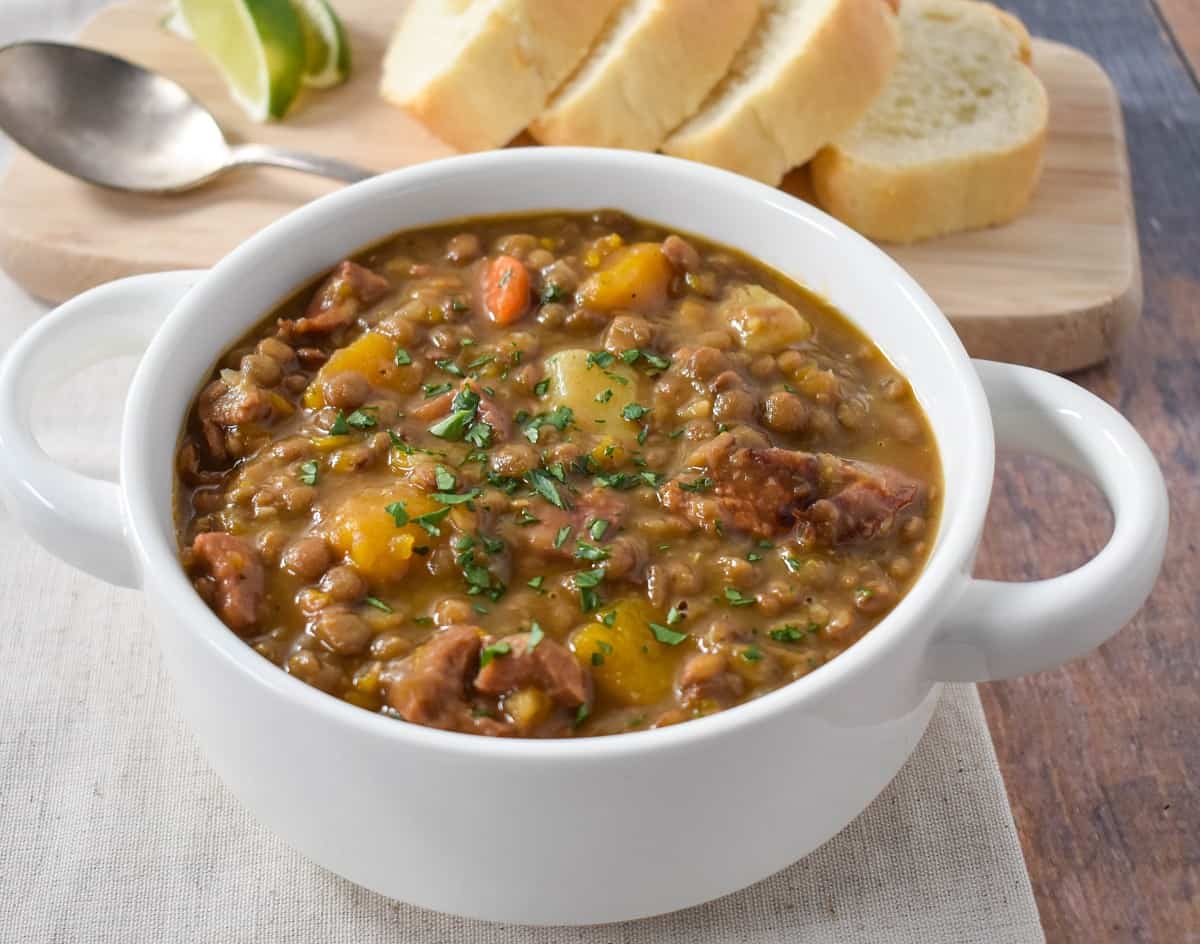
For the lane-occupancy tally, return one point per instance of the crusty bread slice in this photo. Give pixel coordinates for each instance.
(476, 72)
(954, 142)
(650, 69)
(806, 75)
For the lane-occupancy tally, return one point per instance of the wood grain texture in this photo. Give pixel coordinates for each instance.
(1055, 289)
(1183, 21)
(1102, 757)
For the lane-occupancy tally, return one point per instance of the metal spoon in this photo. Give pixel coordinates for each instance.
(112, 123)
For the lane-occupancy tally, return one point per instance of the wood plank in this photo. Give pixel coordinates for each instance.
(1056, 288)
(1183, 19)
(1101, 757)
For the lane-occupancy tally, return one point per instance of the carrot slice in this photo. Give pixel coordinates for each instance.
(506, 290)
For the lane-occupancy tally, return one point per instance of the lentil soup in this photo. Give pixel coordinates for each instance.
(552, 476)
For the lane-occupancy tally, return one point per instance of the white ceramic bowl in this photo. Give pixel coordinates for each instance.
(597, 829)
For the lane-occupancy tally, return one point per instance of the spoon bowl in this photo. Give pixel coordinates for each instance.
(112, 123)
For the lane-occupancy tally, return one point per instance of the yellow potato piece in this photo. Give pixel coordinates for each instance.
(528, 707)
(635, 277)
(373, 356)
(364, 531)
(628, 665)
(764, 322)
(577, 384)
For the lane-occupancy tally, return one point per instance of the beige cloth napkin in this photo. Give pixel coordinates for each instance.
(112, 827)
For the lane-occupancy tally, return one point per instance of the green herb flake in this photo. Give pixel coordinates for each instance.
(752, 654)
(423, 620)
(448, 365)
(446, 482)
(609, 618)
(590, 552)
(674, 616)
(735, 597)
(754, 557)
(552, 292)
(479, 435)
(791, 633)
(494, 651)
(431, 520)
(793, 564)
(378, 604)
(536, 635)
(398, 512)
(403, 358)
(581, 715)
(702, 484)
(455, 498)
(492, 545)
(666, 635)
(435, 390)
(544, 485)
(340, 427)
(536, 582)
(453, 426)
(524, 517)
(600, 359)
(309, 471)
(361, 419)
(634, 411)
(597, 529)
(481, 361)
(561, 538)
(604, 395)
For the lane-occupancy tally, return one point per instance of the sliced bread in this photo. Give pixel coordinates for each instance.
(475, 72)
(955, 140)
(805, 76)
(650, 69)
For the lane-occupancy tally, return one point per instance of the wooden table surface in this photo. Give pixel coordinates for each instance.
(1102, 757)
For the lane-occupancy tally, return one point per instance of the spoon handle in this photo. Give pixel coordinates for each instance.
(297, 160)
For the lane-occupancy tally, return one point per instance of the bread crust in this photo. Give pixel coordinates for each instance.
(905, 204)
(505, 72)
(667, 66)
(811, 99)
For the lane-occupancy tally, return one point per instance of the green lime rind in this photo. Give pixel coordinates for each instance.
(258, 47)
(326, 44)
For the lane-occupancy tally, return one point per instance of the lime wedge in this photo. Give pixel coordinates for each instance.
(258, 46)
(327, 51)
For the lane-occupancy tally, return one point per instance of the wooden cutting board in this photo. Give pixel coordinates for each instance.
(1055, 289)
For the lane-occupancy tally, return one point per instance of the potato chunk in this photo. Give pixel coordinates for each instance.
(373, 356)
(634, 277)
(763, 322)
(595, 394)
(363, 529)
(629, 666)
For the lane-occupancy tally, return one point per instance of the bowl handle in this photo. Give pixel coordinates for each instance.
(998, 630)
(75, 517)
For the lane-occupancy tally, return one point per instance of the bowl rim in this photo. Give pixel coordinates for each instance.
(947, 564)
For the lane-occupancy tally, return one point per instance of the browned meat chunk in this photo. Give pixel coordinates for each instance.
(767, 492)
(597, 504)
(339, 300)
(549, 667)
(490, 412)
(236, 569)
(431, 686)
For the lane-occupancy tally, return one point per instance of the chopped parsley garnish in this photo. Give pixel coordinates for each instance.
(752, 654)
(702, 484)
(445, 479)
(600, 359)
(735, 597)
(422, 620)
(431, 520)
(586, 581)
(455, 498)
(675, 434)
(604, 395)
(633, 355)
(590, 552)
(609, 618)
(552, 293)
(666, 635)
(597, 529)
(403, 358)
(563, 533)
(496, 649)
(309, 471)
(754, 557)
(560, 418)
(793, 564)
(340, 427)
(863, 594)
(479, 435)
(542, 387)
(634, 411)
(597, 658)
(642, 434)
(525, 518)
(435, 390)
(378, 604)
(544, 485)
(536, 635)
(479, 608)
(790, 633)
(453, 426)
(674, 616)
(361, 419)
(481, 361)
(581, 715)
(536, 582)
(398, 512)
(448, 365)
(492, 545)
